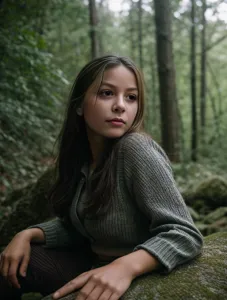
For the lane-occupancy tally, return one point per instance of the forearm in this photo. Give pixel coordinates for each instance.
(139, 262)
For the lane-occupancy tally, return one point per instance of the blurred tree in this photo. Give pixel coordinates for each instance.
(132, 29)
(93, 29)
(193, 84)
(140, 33)
(100, 11)
(203, 71)
(167, 86)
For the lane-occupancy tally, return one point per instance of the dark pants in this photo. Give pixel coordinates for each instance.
(48, 270)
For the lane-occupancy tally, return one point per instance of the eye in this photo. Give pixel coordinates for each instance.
(105, 93)
(132, 97)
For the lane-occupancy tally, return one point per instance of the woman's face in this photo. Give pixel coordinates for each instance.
(110, 111)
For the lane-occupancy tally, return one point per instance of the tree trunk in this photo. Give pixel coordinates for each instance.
(100, 35)
(93, 29)
(203, 72)
(153, 105)
(193, 85)
(131, 31)
(167, 84)
(140, 33)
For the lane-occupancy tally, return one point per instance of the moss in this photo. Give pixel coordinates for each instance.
(213, 191)
(200, 206)
(202, 278)
(216, 215)
(32, 296)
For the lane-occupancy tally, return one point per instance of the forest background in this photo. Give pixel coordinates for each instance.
(180, 45)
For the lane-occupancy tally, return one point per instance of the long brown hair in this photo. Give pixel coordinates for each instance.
(74, 150)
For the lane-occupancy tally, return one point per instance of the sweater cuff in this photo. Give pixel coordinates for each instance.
(50, 232)
(166, 253)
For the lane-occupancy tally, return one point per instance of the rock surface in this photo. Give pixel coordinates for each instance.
(211, 192)
(203, 278)
(31, 208)
(207, 204)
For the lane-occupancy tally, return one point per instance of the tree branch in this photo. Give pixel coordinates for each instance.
(218, 41)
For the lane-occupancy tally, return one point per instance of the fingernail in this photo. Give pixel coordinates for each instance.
(24, 274)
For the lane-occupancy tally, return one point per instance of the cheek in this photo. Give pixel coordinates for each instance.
(133, 112)
(91, 115)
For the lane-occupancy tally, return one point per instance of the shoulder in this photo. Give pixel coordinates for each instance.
(141, 145)
(135, 141)
(140, 157)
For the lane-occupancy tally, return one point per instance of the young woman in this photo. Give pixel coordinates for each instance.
(119, 212)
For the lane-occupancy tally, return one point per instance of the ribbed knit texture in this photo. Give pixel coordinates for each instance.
(146, 212)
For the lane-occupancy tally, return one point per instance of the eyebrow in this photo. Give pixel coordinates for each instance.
(113, 86)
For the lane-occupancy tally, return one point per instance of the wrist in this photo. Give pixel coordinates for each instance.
(127, 264)
(139, 262)
(33, 234)
(25, 234)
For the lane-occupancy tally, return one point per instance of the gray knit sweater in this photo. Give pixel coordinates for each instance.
(147, 211)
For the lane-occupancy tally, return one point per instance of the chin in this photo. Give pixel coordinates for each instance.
(115, 135)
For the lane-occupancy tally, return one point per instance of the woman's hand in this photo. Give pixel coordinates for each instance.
(16, 255)
(106, 283)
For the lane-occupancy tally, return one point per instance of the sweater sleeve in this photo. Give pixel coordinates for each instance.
(174, 239)
(59, 233)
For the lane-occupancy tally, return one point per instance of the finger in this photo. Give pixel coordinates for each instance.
(65, 290)
(94, 295)
(85, 291)
(24, 265)
(71, 286)
(105, 295)
(1, 263)
(12, 274)
(114, 297)
(5, 267)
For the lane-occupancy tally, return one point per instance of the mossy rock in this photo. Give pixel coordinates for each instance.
(216, 221)
(200, 206)
(216, 215)
(17, 194)
(201, 279)
(212, 192)
(32, 296)
(32, 207)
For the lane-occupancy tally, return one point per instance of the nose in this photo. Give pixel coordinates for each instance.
(119, 104)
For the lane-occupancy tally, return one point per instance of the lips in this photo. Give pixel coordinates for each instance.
(117, 120)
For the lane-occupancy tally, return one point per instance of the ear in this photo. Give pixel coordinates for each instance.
(79, 111)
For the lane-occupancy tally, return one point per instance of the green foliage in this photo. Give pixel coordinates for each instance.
(29, 103)
(68, 35)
